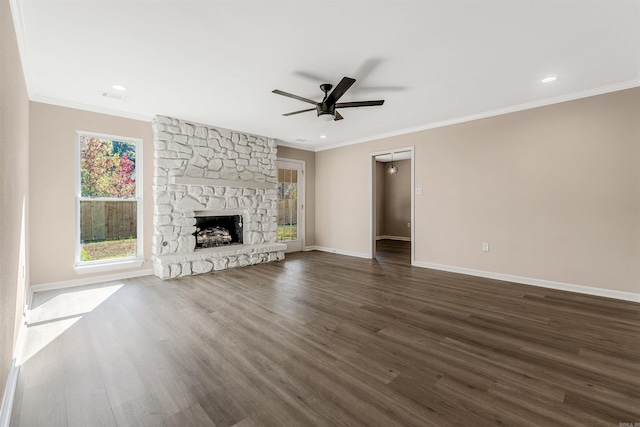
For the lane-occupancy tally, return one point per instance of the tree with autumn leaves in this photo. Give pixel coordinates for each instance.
(107, 168)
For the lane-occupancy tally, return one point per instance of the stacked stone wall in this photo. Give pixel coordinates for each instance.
(200, 169)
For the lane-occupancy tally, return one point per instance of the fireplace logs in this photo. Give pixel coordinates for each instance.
(213, 237)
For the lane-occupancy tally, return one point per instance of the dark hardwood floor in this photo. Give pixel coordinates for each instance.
(393, 251)
(327, 340)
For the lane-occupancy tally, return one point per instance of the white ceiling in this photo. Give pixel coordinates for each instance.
(216, 62)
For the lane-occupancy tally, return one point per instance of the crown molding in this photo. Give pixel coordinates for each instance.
(17, 14)
(515, 108)
(91, 108)
(281, 143)
(520, 107)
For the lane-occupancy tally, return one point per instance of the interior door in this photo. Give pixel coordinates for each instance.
(290, 204)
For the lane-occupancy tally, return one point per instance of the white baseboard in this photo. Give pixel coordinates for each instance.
(401, 238)
(336, 251)
(12, 379)
(608, 293)
(85, 281)
(9, 394)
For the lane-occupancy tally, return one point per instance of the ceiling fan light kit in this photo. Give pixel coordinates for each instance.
(326, 117)
(326, 109)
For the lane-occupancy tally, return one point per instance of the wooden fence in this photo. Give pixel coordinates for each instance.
(100, 220)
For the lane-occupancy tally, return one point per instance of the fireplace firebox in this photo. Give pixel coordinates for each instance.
(212, 231)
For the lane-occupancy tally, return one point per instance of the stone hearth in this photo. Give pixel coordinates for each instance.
(202, 170)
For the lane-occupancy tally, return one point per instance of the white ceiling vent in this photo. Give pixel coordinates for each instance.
(115, 96)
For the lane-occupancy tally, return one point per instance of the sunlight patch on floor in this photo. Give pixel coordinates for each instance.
(60, 310)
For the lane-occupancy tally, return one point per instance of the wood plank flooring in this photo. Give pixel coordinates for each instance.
(328, 340)
(393, 251)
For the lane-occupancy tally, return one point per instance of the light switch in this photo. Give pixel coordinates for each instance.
(418, 191)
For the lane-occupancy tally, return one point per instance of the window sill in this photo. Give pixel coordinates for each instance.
(109, 266)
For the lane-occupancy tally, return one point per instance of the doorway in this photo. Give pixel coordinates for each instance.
(291, 204)
(392, 205)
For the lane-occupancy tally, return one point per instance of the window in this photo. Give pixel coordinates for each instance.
(108, 202)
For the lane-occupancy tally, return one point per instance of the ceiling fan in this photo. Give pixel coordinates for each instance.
(326, 108)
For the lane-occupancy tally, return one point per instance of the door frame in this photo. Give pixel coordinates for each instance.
(372, 198)
(302, 213)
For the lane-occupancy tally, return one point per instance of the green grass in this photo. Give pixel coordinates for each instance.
(108, 249)
(287, 232)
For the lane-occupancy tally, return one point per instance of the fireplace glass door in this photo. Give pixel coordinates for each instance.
(290, 204)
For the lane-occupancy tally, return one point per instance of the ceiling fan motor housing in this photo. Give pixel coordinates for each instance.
(325, 109)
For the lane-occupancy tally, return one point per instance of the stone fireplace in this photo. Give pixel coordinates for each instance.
(215, 199)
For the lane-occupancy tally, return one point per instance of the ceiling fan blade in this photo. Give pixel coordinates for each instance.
(338, 117)
(339, 90)
(290, 95)
(298, 112)
(359, 104)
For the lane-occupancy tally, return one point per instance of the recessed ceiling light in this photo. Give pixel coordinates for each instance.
(323, 136)
(119, 87)
(549, 79)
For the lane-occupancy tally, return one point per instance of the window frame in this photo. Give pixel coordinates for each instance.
(96, 266)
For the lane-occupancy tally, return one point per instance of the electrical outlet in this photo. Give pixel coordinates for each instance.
(485, 247)
(408, 225)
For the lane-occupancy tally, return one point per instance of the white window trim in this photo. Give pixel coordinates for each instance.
(86, 267)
